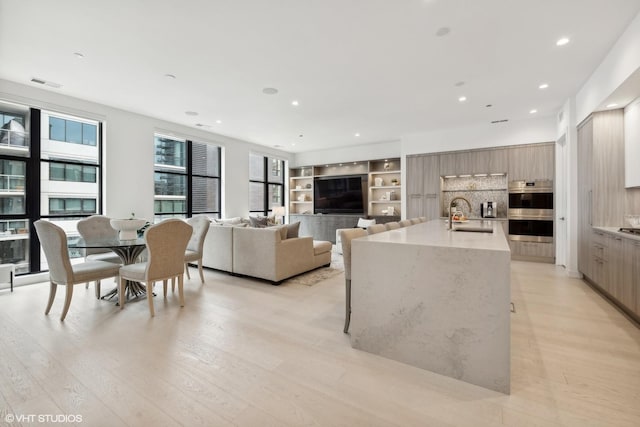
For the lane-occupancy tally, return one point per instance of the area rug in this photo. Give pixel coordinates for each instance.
(319, 274)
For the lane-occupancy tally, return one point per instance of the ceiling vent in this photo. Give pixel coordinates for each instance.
(44, 82)
(499, 121)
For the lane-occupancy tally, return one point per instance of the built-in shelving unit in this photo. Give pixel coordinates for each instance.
(383, 185)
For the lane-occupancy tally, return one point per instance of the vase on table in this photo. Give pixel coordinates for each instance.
(127, 228)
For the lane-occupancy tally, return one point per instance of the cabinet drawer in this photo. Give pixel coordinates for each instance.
(532, 249)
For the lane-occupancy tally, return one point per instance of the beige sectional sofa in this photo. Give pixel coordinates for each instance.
(262, 252)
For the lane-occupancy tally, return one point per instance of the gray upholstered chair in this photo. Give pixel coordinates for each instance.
(61, 271)
(98, 227)
(392, 225)
(166, 245)
(405, 223)
(415, 221)
(195, 246)
(376, 228)
(346, 235)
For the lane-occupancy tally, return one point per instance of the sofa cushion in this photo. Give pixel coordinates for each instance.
(228, 221)
(321, 246)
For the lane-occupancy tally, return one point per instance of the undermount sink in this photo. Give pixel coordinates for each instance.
(473, 229)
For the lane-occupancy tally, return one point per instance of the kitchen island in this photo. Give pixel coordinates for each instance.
(436, 299)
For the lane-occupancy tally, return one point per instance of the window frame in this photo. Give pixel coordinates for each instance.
(266, 183)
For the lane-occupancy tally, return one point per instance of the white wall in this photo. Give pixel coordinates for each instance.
(619, 64)
(541, 129)
(129, 151)
(357, 153)
(632, 144)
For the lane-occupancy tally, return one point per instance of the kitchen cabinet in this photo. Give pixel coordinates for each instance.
(531, 251)
(423, 186)
(456, 163)
(498, 160)
(532, 162)
(608, 197)
(629, 274)
(585, 155)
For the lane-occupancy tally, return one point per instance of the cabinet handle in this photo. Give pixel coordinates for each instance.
(590, 208)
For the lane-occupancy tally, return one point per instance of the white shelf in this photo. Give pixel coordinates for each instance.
(379, 187)
(384, 172)
(296, 202)
(300, 177)
(301, 189)
(385, 201)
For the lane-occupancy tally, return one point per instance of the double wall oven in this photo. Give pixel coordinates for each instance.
(531, 211)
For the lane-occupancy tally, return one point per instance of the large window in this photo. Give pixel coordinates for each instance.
(266, 183)
(187, 178)
(73, 131)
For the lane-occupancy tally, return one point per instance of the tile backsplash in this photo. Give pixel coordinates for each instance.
(476, 190)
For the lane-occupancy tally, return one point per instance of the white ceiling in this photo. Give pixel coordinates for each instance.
(370, 66)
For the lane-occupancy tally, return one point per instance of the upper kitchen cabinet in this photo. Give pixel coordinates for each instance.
(498, 160)
(423, 186)
(456, 163)
(531, 162)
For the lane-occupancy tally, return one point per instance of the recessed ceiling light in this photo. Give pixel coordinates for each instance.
(357, 134)
(202, 125)
(295, 103)
(462, 99)
(170, 76)
(191, 113)
(543, 85)
(612, 105)
(78, 55)
(443, 31)
(300, 136)
(218, 121)
(269, 90)
(488, 105)
(533, 111)
(563, 41)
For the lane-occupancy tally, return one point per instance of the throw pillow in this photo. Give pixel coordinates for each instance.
(364, 223)
(262, 221)
(292, 230)
(283, 231)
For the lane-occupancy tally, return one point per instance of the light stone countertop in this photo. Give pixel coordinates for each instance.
(615, 231)
(435, 233)
(435, 299)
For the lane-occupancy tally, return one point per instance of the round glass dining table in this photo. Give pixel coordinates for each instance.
(128, 251)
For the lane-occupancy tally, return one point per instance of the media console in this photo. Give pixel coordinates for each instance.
(324, 226)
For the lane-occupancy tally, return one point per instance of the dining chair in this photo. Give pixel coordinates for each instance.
(98, 227)
(61, 271)
(405, 223)
(392, 225)
(346, 236)
(195, 246)
(376, 228)
(166, 245)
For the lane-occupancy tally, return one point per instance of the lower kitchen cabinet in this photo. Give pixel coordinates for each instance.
(615, 269)
(532, 251)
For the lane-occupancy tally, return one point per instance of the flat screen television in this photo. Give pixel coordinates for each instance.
(339, 195)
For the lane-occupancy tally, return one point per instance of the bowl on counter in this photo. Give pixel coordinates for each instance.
(632, 221)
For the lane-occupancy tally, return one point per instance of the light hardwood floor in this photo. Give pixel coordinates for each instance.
(243, 352)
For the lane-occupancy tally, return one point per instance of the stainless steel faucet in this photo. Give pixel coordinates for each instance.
(450, 210)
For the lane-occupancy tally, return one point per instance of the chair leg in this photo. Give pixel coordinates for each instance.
(97, 289)
(86, 285)
(164, 287)
(347, 318)
(200, 270)
(150, 297)
(67, 301)
(180, 289)
(186, 270)
(173, 284)
(52, 294)
(121, 289)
